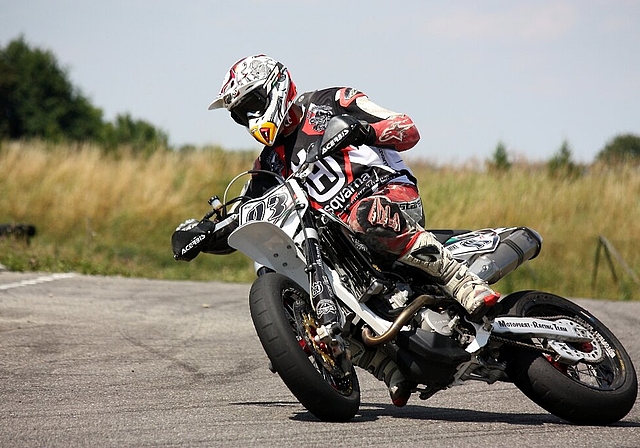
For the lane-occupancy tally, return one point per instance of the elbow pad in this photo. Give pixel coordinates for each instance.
(399, 133)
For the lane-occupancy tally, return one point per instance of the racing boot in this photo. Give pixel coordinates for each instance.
(474, 294)
(380, 365)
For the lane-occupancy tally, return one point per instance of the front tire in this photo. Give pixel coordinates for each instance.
(586, 393)
(276, 303)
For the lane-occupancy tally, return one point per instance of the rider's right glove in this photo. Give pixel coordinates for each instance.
(189, 238)
(193, 236)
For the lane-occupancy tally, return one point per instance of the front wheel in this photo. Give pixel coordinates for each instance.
(284, 319)
(590, 392)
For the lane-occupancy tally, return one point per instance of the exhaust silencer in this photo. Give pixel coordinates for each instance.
(514, 249)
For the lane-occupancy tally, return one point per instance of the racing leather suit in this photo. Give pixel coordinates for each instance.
(369, 187)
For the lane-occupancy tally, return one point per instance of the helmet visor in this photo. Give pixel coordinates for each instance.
(254, 103)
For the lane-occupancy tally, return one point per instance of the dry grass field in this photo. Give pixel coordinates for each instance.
(114, 214)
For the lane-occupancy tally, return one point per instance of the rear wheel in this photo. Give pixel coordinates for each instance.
(597, 390)
(285, 323)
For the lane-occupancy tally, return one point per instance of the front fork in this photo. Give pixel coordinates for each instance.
(323, 297)
(324, 301)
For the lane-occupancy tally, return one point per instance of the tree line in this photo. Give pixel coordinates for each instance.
(623, 149)
(37, 100)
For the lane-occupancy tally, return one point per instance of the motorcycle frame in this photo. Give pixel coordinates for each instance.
(273, 233)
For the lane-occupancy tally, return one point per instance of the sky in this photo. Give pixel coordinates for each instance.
(471, 74)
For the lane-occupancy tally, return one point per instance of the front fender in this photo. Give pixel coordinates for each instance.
(270, 246)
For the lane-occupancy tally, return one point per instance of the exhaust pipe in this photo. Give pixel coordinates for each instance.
(521, 245)
(404, 317)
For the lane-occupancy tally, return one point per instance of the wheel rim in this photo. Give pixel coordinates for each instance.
(606, 374)
(301, 318)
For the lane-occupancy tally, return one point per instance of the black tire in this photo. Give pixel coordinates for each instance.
(585, 393)
(271, 301)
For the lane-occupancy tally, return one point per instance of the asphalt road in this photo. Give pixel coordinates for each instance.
(97, 361)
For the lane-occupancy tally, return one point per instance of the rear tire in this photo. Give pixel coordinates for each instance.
(585, 393)
(279, 329)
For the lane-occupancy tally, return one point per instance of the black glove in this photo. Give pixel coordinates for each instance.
(190, 237)
(364, 134)
(341, 131)
(349, 131)
(193, 236)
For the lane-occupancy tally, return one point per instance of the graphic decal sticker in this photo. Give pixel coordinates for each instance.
(318, 117)
(395, 131)
(381, 215)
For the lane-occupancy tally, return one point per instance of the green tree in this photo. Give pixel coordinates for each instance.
(140, 135)
(562, 164)
(38, 100)
(500, 160)
(622, 148)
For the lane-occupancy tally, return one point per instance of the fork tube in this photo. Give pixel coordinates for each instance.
(322, 294)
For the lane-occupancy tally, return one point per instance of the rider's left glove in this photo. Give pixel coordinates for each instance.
(364, 134)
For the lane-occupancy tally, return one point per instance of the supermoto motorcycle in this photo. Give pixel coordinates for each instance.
(558, 354)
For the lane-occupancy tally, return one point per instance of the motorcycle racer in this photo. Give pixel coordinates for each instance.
(367, 185)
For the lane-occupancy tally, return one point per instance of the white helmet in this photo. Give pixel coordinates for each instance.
(258, 91)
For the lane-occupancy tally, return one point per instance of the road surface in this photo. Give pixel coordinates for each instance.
(106, 361)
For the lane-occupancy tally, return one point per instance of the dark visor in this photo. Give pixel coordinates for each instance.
(254, 102)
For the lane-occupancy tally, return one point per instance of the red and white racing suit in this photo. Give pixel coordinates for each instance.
(369, 187)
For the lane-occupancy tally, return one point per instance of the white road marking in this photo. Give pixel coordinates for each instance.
(36, 281)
